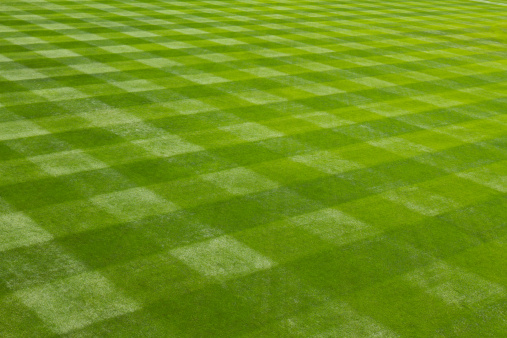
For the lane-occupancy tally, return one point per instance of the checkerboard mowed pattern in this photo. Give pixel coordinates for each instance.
(252, 168)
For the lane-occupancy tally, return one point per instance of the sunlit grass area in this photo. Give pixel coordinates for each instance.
(253, 168)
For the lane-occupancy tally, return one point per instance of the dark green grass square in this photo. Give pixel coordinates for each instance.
(71, 217)
(484, 220)
(119, 153)
(367, 155)
(181, 123)
(191, 192)
(323, 103)
(107, 58)
(330, 190)
(391, 127)
(404, 308)
(152, 171)
(145, 322)
(380, 213)
(123, 100)
(34, 265)
(286, 202)
(486, 260)
(487, 321)
(39, 63)
(38, 145)
(275, 294)
(350, 268)
(16, 320)
(325, 139)
(235, 214)
(79, 80)
(281, 241)
(90, 137)
(286, 171)
(213, 311)
(213, 138)
(155, 277)
(112, 245)
(245, 154)
(11, 87)
(436, 237)
(7, 153)
(33, 194)
(463, 157)
(38, 110)
(409, 171)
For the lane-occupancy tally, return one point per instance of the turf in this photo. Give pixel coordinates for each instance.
(253, 168)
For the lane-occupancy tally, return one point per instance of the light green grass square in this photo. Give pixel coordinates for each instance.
(222, 258)
(120, 49)
(166, 146)
(330, 162)
(205, 78)
(108, 116)
(189, 106)
(57, 53)
(463, 192)
(94, 68)
(432, 139)
(492, 176)
(331, 319)
(421, 201)
(217, 57)
(159, 62)
(240, 181)
(455, 286)
(19, 230)
(263, 72)
(373, 82)
(137, 86)
(252, 131)
(400, 146)
(133, 203)
(60, 94)
(22, 74)
(334, 226)
(76, 302)
(324, 119)
(65, 163)
(319, 89)
(259, 97)
(18, 129)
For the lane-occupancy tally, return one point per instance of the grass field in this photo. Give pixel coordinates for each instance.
(253, 168)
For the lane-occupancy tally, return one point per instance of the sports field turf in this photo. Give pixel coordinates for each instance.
(253, 168)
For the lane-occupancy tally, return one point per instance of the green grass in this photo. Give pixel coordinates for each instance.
(253, 168)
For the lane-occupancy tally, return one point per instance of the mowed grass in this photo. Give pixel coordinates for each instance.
(253, 168)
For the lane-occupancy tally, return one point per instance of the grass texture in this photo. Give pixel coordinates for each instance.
(253, 168)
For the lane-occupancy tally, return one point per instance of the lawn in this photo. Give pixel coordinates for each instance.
(253, 168)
